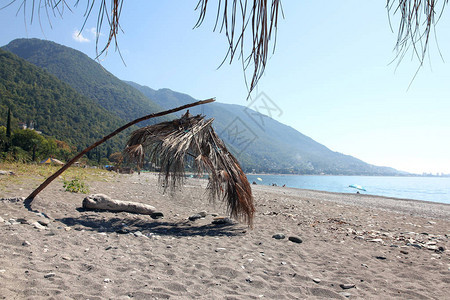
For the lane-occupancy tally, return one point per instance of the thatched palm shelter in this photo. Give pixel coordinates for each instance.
(172, 142)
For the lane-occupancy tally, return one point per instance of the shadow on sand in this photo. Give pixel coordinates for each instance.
(105, 222)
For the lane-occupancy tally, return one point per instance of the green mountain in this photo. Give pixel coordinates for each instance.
(263, 144)
(87, 77)
(53, 106)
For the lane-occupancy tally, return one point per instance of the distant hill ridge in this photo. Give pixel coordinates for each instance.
(266, 145)
(261, 143)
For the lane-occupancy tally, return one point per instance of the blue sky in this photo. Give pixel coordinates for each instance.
(330, 73)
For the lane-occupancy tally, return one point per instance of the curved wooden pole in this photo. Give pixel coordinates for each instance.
(30, 198)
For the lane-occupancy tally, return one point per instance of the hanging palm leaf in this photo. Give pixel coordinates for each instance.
(171, 142)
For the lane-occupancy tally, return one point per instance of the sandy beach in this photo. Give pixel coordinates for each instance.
(346, 246)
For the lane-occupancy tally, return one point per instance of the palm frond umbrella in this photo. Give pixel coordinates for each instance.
(171, 142)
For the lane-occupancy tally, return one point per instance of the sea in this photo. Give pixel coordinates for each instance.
(434, 189)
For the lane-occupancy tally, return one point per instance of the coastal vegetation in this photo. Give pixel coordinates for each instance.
(46, 117)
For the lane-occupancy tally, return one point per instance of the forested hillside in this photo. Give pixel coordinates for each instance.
(87, 77)
(51, 106)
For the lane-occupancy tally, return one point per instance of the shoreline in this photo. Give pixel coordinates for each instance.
(406, 175)
(400, 205)
(419, 189)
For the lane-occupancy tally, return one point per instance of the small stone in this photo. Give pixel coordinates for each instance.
(203, 213)
(22, 220)
(249, 280)
(195, 217)
(316, 280)
(220, 249)
(346, 286)
(278, 236)
(2, 271)
(376, 241)
(107, 280)
(38, 226)
(414, 245)
(138, 234)
(10, 173)
(432, 247)
(2, 220)
(345, 294)
(222, 221)
(49, 275)
(157, 215)
(67, 228)
(380, 257)
(214, 214)
(44, 222)
(66, 258)
(403, 252)
(169, 247)
(295, 239)
(26, 244)
(123, 230)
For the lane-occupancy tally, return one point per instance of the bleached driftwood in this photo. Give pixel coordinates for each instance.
(100, 201)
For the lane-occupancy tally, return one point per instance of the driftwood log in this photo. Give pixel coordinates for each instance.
(104, 202)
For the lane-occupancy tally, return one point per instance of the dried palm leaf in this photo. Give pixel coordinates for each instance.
(193, 136)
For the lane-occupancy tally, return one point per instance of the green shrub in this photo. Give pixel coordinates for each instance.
(75, 186)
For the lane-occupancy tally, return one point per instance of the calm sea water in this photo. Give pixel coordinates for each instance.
(435, 189)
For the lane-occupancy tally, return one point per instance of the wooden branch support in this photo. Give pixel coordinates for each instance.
(30, 198)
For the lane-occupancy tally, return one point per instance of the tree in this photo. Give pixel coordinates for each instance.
(8, 124)
(260, 17)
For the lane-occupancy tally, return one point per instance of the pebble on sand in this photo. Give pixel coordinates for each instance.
(44, 222)
(345, 294)
(346, 286)
(295, 239)
(278, 236)
(38, 225)
(49, 275)
(195, 217)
